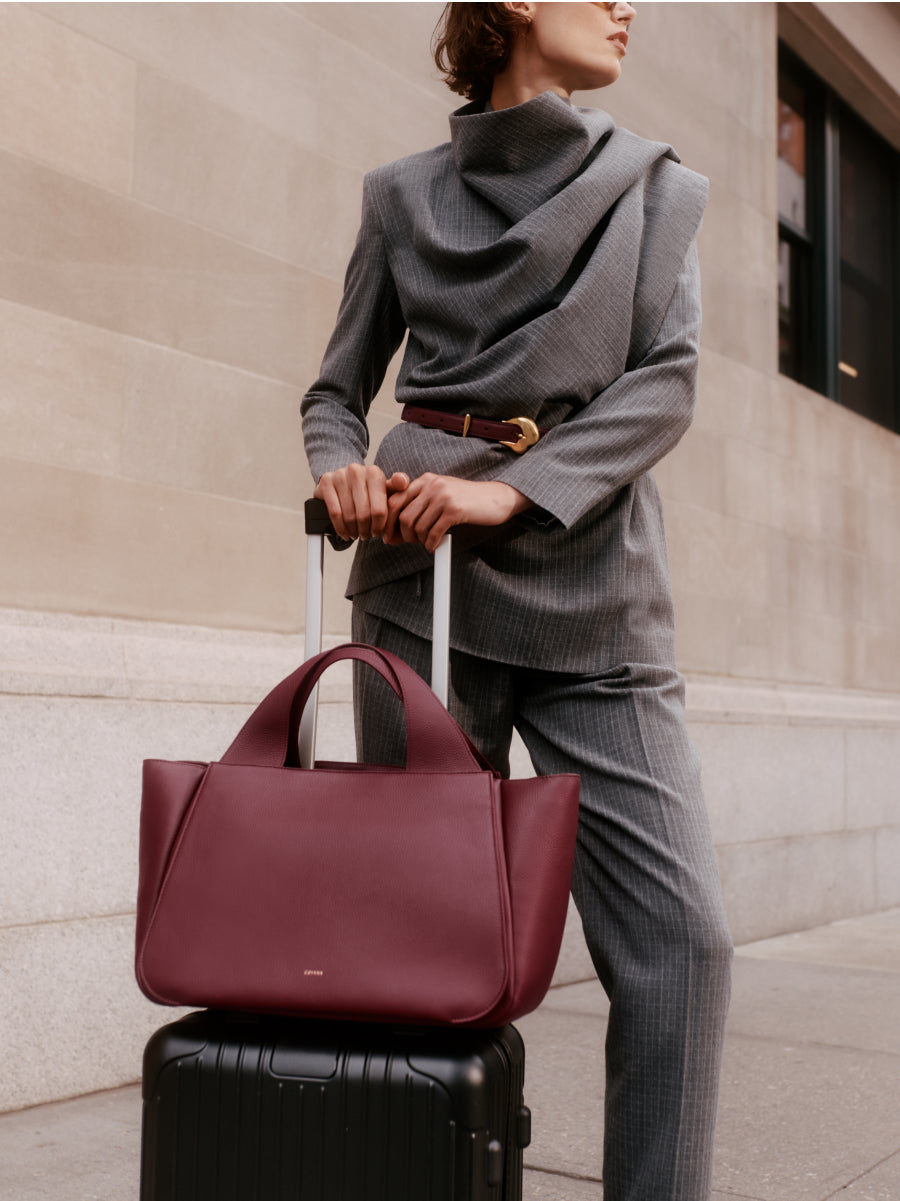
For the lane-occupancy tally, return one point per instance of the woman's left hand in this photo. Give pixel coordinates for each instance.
(427, 509)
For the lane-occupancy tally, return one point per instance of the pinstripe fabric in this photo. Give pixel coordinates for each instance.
(645, 882)
(544, 264)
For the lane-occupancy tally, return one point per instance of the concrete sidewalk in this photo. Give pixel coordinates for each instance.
(810, 1103)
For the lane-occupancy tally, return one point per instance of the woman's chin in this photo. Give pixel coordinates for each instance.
(600, 77)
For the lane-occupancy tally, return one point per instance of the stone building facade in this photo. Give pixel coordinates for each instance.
(180, 192)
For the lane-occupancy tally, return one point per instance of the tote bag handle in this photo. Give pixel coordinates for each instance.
(435, 743)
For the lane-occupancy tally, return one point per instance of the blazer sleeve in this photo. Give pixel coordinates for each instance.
(626, 428)
(369, 329)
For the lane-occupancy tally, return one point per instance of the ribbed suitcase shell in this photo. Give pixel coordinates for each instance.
(256, 1108)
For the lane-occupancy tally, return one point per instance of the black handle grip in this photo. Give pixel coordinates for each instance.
(317, 519)
(318, 522)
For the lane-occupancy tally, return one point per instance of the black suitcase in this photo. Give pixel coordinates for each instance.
(260, 1108)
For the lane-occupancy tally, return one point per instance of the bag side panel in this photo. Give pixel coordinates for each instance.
(540, 822)
(168, 789)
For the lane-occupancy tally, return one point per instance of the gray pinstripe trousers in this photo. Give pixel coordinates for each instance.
(645, 883)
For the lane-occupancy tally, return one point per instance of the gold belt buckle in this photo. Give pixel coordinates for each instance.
(529, 435)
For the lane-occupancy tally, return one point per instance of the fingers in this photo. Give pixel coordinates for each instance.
(356, 498)
(432, 504)
(379, 489)
(327, 490)
(398, 482)
(363, 504)
(437, 531)
(423, 512)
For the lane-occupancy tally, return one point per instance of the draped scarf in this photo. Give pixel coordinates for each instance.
(534, 256)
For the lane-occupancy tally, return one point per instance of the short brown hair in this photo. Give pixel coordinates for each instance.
(472, 44)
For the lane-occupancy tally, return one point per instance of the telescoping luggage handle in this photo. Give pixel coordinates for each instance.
(318, 527)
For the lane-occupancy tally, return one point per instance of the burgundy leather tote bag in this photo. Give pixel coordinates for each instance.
(434, 894)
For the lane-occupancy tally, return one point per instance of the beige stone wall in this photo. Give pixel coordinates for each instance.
(180, 192)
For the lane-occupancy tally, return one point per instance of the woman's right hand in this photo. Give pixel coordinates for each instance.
(356, 497)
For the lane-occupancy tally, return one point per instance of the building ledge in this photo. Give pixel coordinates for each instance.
(58, 655)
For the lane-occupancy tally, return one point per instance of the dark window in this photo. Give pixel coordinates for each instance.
(838, 249)
(868, 296)
(794, 242)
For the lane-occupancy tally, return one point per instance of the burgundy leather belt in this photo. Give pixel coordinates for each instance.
(518, 433)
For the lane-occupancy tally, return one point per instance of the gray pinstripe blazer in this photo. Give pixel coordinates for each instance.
(544, 264)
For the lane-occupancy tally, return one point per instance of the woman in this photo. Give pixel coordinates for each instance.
(543, 263)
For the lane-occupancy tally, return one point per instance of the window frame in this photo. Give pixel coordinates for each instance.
(822, 322)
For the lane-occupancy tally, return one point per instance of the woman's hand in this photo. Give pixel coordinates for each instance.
(425, 509)
(357, 499)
